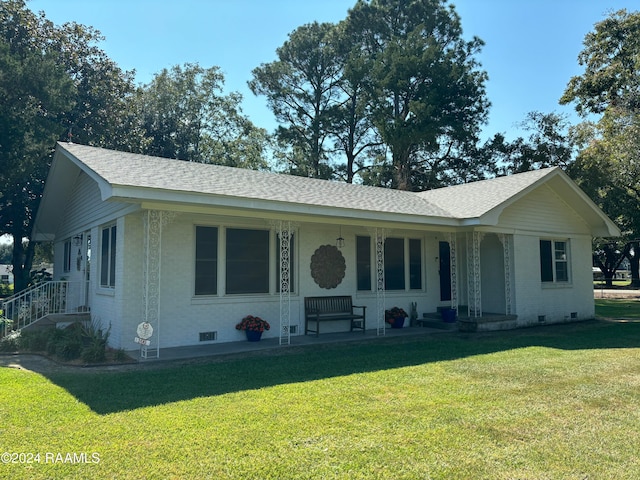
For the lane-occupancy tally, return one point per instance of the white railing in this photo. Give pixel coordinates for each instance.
(35, 303)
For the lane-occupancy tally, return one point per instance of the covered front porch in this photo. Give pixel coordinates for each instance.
(268, 344)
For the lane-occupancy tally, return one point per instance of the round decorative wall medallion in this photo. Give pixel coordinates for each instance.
(328, 266)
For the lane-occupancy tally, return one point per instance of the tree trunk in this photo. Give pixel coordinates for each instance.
(21, 261)
(634, 265)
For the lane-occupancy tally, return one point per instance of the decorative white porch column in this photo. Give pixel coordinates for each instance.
(453, 265)
(380, 290)
(506, 241)
(474, 288)
(154, 221)
(284, 232)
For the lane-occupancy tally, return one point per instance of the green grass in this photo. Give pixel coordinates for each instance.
(617, 308)
(615, 283)
(542, 403)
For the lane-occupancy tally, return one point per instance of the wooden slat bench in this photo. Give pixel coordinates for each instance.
(323, 309)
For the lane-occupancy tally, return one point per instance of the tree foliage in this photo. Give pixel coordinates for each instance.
(394, 88)
(56, 83)
(608, 165)
(185, 115)
(301, 91)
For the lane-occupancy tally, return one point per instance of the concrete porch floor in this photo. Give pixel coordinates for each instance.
(230, 348)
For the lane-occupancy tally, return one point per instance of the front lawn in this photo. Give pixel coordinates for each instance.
(620, 308)
(546, 402)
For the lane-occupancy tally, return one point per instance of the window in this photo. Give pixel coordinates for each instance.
(396, 253)
(66, 266)
(247, 261)
(206, 261)
(554, 261)
(415, 264)
(108, 257)
(363, 263)
(394, 264)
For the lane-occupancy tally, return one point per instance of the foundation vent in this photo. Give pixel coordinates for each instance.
(574, 315)
(293, 329)
(542, 318)
(208, 336)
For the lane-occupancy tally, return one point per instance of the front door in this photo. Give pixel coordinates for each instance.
(445, 271)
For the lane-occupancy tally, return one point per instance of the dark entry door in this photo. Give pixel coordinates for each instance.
(445, 271)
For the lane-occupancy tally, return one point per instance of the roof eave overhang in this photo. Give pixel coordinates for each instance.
(150, 198)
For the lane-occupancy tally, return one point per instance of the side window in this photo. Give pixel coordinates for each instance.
(554, 261)
(363, 263)
(108, 256)
(66, 266)
(206, 282)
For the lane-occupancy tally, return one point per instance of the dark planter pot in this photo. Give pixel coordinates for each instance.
(449, 315)
(253, 336)
(398, 323)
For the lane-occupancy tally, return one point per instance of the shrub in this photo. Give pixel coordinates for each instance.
(34, 340)
(9, 343)
(95, 338)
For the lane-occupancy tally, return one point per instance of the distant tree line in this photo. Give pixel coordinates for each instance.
(392, 95)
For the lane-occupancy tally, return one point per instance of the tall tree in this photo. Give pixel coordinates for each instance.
(611, 58)
(300, 88)
(56, 84)
(426, 92)
(349, 123)
(549, 143)
(609, 162)
(185, 115)
(35, 92)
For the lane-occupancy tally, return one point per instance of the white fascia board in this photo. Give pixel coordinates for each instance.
(202, 202)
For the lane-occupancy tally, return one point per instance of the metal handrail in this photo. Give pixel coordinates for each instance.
(35, 303)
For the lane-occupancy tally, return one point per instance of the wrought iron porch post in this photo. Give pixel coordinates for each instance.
(453, 262)
(154, 220)
(380, 289)
(506, 249)
(474, 290)
(284, 232)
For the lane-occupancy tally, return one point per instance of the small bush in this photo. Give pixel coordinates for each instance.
(9, 343)
(120, 355)
(34, 340)
(69, 348)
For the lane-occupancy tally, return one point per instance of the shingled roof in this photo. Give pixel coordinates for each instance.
(134, 178)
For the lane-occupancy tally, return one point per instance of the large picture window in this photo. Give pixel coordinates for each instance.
(400, 257)
(554, 261)
(108, 257)
(247, 261)
(206, 261)
(394, 264)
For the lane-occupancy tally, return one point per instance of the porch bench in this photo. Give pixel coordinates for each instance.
(324, 309)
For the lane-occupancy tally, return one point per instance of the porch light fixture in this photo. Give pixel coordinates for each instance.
(77, 240)
(340, 240)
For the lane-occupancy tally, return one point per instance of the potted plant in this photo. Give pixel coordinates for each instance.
(253, 327)
(395, 317)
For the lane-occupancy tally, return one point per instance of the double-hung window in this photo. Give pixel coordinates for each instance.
(247, 261)
(402, 263)
(554, 261)
(108, 256)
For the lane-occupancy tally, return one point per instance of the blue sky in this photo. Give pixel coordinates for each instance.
(530, 51)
